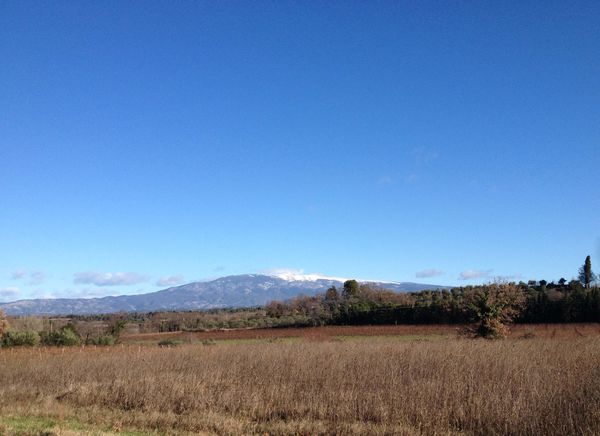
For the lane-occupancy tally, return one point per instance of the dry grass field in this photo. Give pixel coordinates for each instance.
(353, 385)
(326, 333)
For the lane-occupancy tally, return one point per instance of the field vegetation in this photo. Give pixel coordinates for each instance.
(359, 386)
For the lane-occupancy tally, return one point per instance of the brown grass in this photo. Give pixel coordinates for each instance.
(566, 331)
(370, 386)
(308, 333)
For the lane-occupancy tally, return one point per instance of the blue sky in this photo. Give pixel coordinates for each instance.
(144, 144)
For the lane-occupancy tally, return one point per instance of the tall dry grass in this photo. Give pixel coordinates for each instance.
(376, 386)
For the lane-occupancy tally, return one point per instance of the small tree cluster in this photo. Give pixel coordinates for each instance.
(20, 339)
(65, 336)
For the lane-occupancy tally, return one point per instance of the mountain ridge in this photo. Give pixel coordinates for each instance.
(245, 290)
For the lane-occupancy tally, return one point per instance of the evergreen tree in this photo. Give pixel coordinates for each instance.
(586, 275)
(351, 289)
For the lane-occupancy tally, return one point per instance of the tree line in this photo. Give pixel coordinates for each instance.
(491, 307)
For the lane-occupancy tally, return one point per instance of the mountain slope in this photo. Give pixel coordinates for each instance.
(231, 291)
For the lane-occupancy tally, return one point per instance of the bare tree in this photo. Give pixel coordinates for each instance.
(3, 324)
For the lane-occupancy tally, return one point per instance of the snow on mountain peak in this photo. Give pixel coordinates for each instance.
(298, 275)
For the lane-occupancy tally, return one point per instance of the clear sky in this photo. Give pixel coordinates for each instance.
(144, 144)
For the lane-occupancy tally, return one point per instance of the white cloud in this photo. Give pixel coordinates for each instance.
(430, 272)
(170, 280)
(109, 279)
(9, 293)
(471, 274)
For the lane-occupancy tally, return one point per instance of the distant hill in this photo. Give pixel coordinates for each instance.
(232, 291)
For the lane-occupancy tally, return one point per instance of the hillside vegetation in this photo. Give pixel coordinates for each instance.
(353, 305)
(490, 309)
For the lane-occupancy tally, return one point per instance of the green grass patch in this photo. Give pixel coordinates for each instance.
(47, 426)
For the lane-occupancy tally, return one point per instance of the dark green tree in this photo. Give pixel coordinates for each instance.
(351, 289)
(586, 275)
(593, 304)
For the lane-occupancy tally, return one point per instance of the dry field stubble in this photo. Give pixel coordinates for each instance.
(326, 333)
(370, 386)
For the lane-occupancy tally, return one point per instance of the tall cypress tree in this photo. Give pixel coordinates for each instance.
(586, 275)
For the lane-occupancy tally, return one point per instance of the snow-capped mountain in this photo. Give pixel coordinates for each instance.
(232, 291)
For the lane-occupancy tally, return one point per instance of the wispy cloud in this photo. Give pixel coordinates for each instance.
(509, 278)
(35, 277)
(412, 178)
(421, 158)
(424, 154)
(9, 293)
(88, 293)
(281, 271)
(385, 180)
(430, 272)
(109, 279)
(19, 274)
(472, 274)
(170, 280)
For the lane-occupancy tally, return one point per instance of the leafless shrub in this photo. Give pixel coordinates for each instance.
(3, 324)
